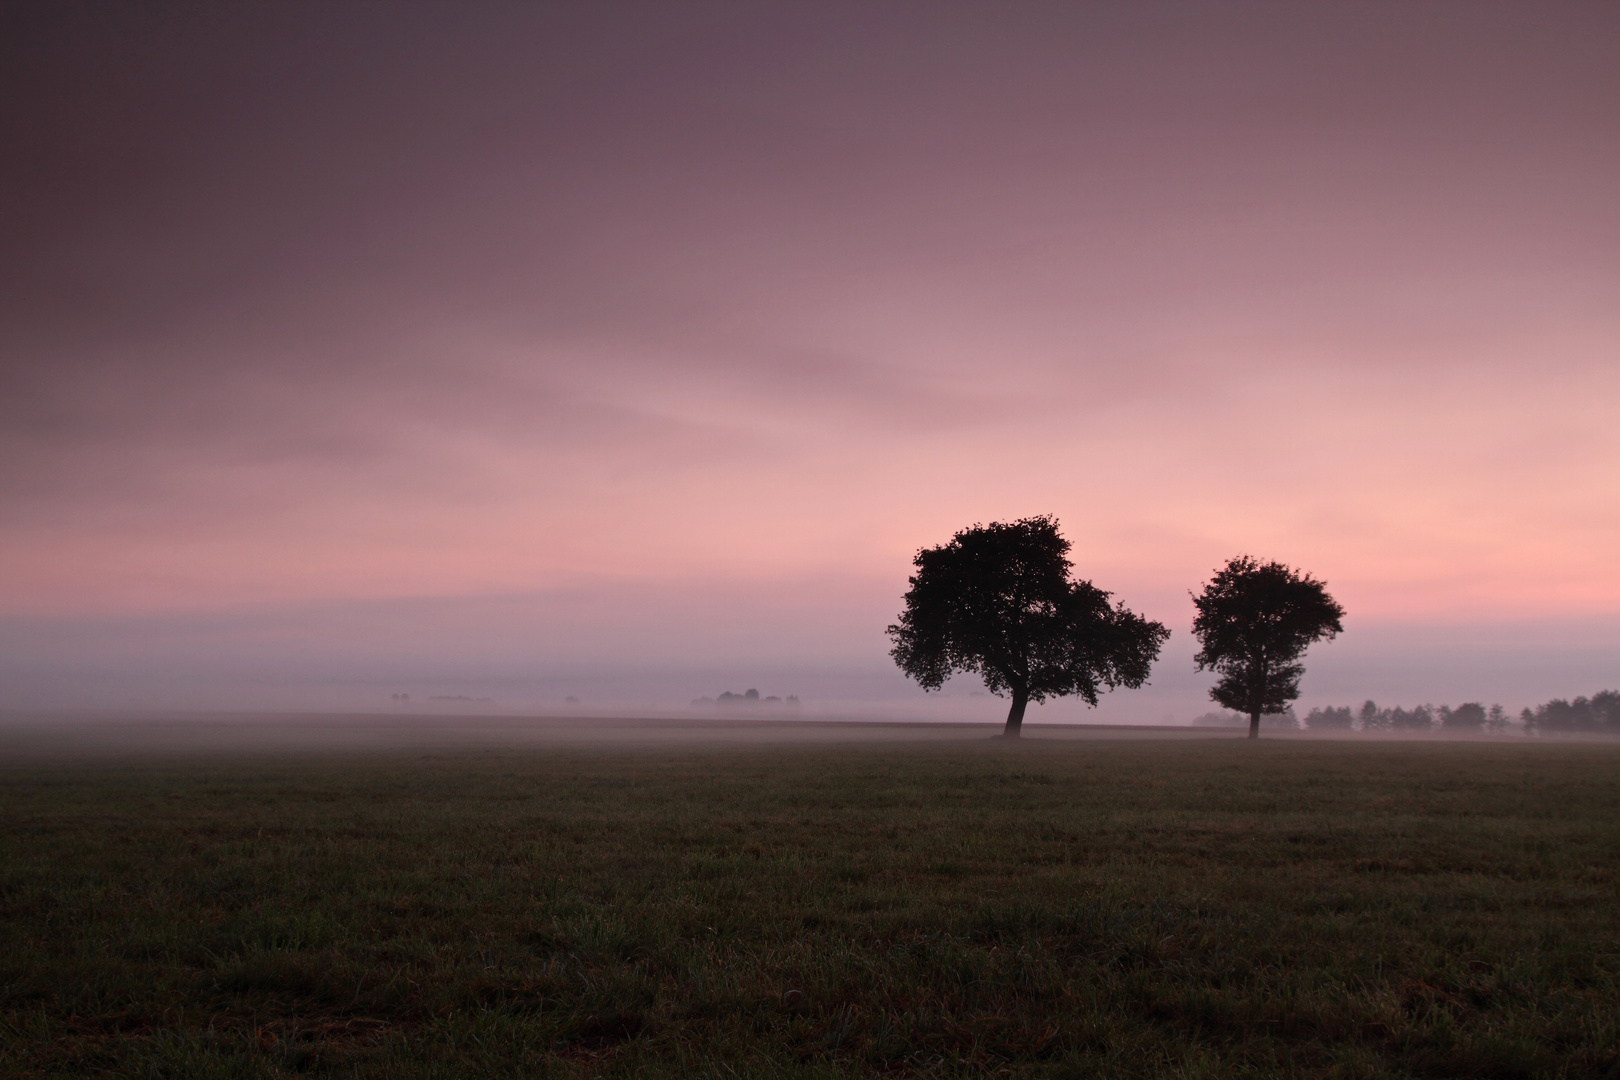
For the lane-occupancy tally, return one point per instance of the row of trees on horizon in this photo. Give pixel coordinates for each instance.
(1599, 713)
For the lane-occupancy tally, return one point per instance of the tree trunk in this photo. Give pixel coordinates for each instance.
(1257, 692)
(1015, 715)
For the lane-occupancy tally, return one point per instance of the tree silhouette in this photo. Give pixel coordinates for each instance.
(998, 601)
(1469, 716)
(1255, 620)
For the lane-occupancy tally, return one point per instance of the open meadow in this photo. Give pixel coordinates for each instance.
(1194, 906)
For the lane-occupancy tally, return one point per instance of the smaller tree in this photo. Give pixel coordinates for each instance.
(998, 601)
(1255, 620)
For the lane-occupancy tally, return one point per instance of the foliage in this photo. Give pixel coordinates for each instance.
(1254, 622)
(1116, 909)
(1600, 712)
(1469, 716)
(998, 601)
(1418, 718)
(1330, 719)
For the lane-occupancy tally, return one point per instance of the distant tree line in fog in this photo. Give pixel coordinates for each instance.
(1469, 716)
(747, 697)
(1598, 713)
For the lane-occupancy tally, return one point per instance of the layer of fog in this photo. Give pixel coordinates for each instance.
(539, 655)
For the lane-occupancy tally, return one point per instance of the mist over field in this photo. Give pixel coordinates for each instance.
(532, 655)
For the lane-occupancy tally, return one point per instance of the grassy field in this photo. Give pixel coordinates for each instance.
(1118, 909)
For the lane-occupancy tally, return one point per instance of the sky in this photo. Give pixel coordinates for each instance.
(631, 351)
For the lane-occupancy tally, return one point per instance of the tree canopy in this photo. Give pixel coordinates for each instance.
(1600, 712)
(1255, 620)
(998, 601)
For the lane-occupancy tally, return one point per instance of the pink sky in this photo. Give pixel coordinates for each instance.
(672, 332)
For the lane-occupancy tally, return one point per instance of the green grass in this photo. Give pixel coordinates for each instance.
(1196, 908)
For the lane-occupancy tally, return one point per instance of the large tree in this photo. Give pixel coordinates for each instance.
(1255, 620)
(998, 601)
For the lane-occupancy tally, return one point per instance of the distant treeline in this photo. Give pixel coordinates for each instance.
(1598, 713)
(747, 697)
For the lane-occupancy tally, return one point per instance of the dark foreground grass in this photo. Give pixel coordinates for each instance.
(1102, 909)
